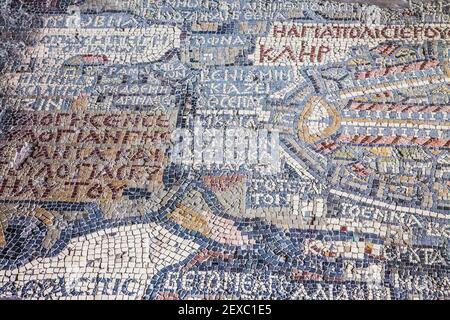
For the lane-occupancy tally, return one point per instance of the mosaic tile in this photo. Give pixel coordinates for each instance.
(225, 149)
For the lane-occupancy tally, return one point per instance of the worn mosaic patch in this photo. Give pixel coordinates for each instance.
(227, 149)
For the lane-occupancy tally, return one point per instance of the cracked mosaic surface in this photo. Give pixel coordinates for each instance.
(225, 149)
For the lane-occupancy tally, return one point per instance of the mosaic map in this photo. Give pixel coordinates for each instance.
(224, 149)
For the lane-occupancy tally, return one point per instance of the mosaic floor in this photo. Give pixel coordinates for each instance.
(202, 149)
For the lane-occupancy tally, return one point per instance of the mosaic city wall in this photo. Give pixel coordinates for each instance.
(228, 149)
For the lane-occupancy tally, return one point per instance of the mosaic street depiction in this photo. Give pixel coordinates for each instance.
(229, 149)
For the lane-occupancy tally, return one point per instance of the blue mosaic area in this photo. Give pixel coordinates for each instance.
(225, 149)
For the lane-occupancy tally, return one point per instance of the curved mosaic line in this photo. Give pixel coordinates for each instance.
(224, 150)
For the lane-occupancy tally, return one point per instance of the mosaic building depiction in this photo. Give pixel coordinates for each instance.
(224, 149)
